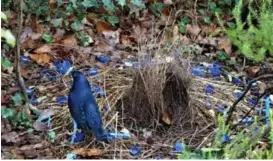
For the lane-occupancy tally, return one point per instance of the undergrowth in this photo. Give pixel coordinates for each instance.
(255, 41)
(242, 145)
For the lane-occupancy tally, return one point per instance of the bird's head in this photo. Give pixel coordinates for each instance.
(79, 78)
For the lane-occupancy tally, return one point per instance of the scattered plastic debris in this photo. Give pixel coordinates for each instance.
(221, 108)
(120, 135)
(30, 91)
(236, 80)
(61, 99)
(60, 69)
(93, 71)
(159, 157)
(225, 138)
(36, 101)
(71, 156)
(247, 121)
(252, 102)
(97, 90)
(198, 71)
(103, 59)
(135, 150)
(25, 59)
(79, 137)
(238, 94)
(179, 147)
(209, 89)
(267, 111)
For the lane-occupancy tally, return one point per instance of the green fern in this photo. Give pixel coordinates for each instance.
(253, 42)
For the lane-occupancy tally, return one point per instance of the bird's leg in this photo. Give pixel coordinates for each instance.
(75, 127)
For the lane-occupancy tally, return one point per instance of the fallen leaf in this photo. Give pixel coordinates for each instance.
(88, 152)
(103, 47)
(70, 40)
(11, 137)
(225, 43)
(252, 71)
(41, 59)
(166, 118)
(112, 37)
(43, 49)
(193, 29)
(40, 126)
(104, 26)
(5, 99)
(165, 12)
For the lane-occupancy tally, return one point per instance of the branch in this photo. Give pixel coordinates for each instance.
(17, 57)
(232, 108)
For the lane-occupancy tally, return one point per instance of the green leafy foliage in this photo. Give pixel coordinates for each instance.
(90, 3)
(7, 113)
(48, 38)
(17, 99)
(255, 41)
(6, 64)
(182, 25)
(109, 5)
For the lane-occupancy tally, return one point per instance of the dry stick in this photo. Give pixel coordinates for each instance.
(253, 107)
(17, 58)
(232, 108)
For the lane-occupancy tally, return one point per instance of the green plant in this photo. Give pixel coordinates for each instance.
(253, 42)
(6, 34)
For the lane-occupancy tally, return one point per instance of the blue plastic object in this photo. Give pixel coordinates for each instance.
(103, 59)
(252, 102)
(179, 147)
(247, 121)
(97, 90)
(30, 91)
(61, 99)
(79, 137)
(159, 157)
(225, 138)
(267, 111)
(25, 59)
(221, 108)
(135, 150)
(71, 156)
(235, 80)
(75, 128)
(59, 69)
(198, 71)
(238, 94)
(209, 89)
(214, 71)
(92, 71)
(120, 135)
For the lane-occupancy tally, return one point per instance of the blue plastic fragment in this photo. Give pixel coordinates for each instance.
(135, 150)
(34, 101)
(159, 157)
(208, 102)
(267, 111)
(209, 89)
(62, 66)
(198, 71)
(235, 80)
(61, 99)
(247, 121)
(221, 108)
(92, 71)
(71, 156)
(103, 59)
(251, 102)
(75, 128)
(179, 147)
(30, 91)
(25, 59)
(217, 64)
(225, 138)
(79, 137)
(238, 94)
(120, 135)
(215, 71)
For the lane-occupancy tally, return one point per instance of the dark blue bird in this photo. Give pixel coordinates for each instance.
(84, 109)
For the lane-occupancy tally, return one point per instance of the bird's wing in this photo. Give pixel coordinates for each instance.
(94, 120)
(77, 112)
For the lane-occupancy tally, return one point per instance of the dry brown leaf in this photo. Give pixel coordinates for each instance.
(104, 26)
(166, 118)
(125, 39)
(43, 49)
(165, 12)
(225, 43)
(88, 152)
(103, 47)
(252, 71)
(193, 29)
(70, 40)
(41, 59)
(184, 39)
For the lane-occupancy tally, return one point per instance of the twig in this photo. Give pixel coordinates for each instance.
(253, 107)
(232, 108)
(17, 58)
